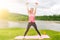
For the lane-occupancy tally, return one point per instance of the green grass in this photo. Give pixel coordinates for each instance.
(10, 33)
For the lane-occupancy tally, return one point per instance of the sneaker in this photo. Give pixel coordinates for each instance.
(40, 37)
(23, 37)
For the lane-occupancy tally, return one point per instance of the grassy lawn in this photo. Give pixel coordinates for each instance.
(10, 33)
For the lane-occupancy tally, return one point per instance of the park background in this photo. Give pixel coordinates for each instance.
(14, 19)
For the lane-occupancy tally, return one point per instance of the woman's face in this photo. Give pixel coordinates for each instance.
(31, 10)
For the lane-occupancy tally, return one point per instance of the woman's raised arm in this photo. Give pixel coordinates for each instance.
(35, 8)
(27, 7)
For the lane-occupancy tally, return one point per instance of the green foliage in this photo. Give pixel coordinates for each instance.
(49, 18)
(20, 17)
(17, 17)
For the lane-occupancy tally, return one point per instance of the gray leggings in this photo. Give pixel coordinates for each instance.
(34, 25)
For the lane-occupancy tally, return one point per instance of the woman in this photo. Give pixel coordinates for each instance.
(32, 13)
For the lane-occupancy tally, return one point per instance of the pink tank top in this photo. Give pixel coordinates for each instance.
(31, 18)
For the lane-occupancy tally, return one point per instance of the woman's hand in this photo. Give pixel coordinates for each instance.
(36, 3)
(27, 3)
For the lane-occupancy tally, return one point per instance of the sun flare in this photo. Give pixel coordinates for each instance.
(3, 14)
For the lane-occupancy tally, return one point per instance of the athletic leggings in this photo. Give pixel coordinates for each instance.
(34, 25)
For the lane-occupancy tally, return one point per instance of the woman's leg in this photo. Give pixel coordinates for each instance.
(34, 25)
(28, 27)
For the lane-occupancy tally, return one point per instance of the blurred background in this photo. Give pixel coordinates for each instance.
(13, 14)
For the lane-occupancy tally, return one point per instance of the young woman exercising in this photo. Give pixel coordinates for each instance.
(32, 13)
